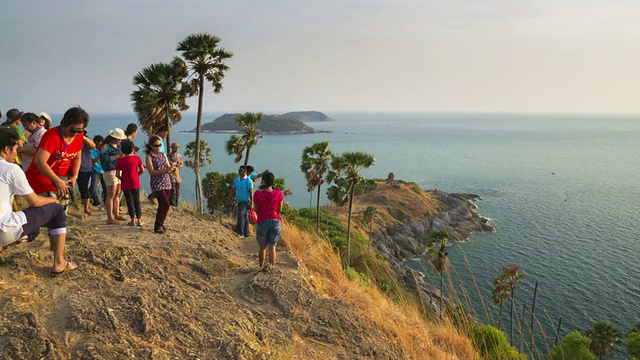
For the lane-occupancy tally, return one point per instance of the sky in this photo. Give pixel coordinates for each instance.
(548, 56)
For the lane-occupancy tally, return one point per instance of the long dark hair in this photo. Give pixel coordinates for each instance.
(148, 148)
(268, 179)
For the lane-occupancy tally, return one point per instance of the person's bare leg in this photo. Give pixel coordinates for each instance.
(108, 204)
(85, 202)
(262, 254)
(59, 262)
(116, 204)
(272, 254)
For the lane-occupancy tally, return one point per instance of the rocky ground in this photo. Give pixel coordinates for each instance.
(193, 293)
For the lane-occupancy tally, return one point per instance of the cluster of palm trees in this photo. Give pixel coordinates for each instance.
(163, 89)
(319, 165)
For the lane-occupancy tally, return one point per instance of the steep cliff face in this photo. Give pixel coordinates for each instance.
(408, 215)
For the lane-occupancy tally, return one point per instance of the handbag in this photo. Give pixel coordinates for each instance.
(253, 218)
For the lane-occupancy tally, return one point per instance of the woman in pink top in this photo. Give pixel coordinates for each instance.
(128, 170)
(268, 202)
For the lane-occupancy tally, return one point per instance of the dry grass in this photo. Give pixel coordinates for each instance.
(402, 323)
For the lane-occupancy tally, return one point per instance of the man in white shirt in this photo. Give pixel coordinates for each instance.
(42, 211)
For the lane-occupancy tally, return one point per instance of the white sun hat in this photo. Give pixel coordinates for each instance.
(117, 133)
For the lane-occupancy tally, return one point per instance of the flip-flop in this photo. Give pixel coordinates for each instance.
(67, 268)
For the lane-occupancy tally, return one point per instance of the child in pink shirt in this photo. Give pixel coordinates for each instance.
(128, 170)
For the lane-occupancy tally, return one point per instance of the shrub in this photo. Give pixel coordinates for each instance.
(493, 344)
(574, 347)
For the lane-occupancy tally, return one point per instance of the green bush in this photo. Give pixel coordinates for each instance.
(574, 347)
(633, 344)
(354, 275)
(493, 344)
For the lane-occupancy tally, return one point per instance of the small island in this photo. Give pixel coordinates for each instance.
(289, 123)
(308, 116)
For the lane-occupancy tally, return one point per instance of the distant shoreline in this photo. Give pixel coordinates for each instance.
(316, 131)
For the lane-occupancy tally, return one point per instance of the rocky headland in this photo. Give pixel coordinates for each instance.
(407, 215)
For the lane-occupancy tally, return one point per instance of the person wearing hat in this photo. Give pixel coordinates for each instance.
(31, 123)
(12, 122)
(175, 159)
(109, 156)
(59, 151)
(45, 120)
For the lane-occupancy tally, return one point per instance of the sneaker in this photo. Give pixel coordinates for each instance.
(159, 230)
(131, 223)
(140, 223)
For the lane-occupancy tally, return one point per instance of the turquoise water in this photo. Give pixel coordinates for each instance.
(562, 191)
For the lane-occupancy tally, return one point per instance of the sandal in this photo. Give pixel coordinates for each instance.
(68, 267)
(88, 212)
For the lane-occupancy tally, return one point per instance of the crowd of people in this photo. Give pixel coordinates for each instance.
(43, 165)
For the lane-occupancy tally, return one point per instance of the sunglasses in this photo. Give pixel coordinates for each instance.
(156, 145)
(76, 131)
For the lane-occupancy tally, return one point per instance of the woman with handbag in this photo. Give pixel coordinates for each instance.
(268, 202)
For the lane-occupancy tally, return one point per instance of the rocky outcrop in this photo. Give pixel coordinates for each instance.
(457, 213)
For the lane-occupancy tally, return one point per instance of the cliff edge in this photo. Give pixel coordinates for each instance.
(196, 293)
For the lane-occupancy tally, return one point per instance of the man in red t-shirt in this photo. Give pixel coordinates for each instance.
(59, 151)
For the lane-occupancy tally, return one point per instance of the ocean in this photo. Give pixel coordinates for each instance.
(562, 191)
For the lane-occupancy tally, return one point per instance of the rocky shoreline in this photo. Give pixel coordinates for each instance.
(400, 242)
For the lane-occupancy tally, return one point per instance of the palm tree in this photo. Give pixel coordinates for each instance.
(190, 154)
(206, 61)
(345, 174)
(315, 165)
(441, 261)
(501, 293)
(510, 277)
(236, 145)
(368, 215)
(161, 96)
(604, 336)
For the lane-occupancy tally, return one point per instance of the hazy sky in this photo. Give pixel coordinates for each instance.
(460, 55)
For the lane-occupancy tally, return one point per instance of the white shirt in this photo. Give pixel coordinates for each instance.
(32, 143)
(12, 182)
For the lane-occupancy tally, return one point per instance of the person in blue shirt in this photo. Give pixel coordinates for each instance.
(96, 174)
(244, 196)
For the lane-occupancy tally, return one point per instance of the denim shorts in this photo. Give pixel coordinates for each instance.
(268, 232)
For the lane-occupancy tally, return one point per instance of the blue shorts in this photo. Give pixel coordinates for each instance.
(268, 232)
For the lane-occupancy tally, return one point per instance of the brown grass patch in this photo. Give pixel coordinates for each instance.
(401, 323)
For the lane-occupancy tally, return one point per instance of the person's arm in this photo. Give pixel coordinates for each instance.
(75, 169)
(28, 151)
(140, 168)
(89, 142)
(119, 174)
(41, 164)
(250, 193)
(152, 170)
(35, 200)
(281, 203)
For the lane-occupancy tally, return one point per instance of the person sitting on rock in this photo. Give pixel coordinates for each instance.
(42, 211)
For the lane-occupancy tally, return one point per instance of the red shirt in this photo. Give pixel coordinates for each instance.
(130, 166)
(62, 155)
(268, 204)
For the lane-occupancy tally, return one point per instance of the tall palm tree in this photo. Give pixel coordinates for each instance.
(206, 61)
(315, 165)
(237, 144)
(441, 261)
(345, 174)
(501, 293)
(510, 277)
(604, 336)
(368, 215)
(161, 96)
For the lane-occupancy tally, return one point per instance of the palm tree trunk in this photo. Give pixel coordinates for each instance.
(199, 199)
(318, 209)
(246, 157)
(533, 318)
(353, 190)
(168, 125)
(512, 304)
(500, 316)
